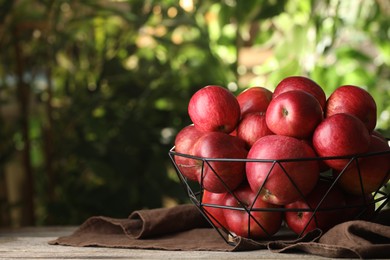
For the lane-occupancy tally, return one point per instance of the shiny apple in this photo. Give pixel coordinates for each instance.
(212, 204)
(184, 143)
(252, 127)
(220, 176)
(294, 113)
(301, 83)
(353, 100)
(370, 172)
(330, 201)
(214, 108)
(251, 216)
(282, 182)
(340, 135)
(254, 99)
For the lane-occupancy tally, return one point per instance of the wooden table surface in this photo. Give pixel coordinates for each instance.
(32, 243)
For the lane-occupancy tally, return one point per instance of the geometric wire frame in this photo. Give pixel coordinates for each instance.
(195, 190)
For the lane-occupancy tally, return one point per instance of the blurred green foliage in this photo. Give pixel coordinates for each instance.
(105, 86)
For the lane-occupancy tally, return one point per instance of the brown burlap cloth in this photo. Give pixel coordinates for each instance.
(184, 228)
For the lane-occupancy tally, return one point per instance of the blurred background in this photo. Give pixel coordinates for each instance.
(92, 93)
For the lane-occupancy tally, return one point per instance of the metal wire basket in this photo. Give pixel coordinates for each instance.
(195, 191)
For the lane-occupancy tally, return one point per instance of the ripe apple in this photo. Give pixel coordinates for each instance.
(220, 176)
(359, 207)
(234, 132)
(254, 99)
(380, 135)
(214, 108)
(281, 182)
(299, 215)
(212, 210)
(353, 100)
(322, 165)
(340, 135)
(184, 142)
(374, 169)
(186, 138)
(294, 113)
(261, 222)
(301, 83)
(252, 127)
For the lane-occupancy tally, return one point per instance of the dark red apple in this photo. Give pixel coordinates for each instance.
(254, 99)
(252, 127)
(261, 222)
(186, 138)
(234, 132)
(379, 134)
(353, 100)
(301, 83)
(299, 215)
(359, 207)
(214, 108)
(340, 135)
(282, 182)
(220, 176)
(213, 206)
(374, 170)
(322, 165)
(294, 113)
(184, 143)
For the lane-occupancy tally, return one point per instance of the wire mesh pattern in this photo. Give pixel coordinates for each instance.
(366, 208)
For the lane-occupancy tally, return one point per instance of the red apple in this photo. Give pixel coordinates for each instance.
(353, 100)
(322, 165)
(252, 127)
(213, 206)
(359, 207)
(261, 222)
(374, 169)
(184, 142)
(294, 113)
(301, 83)
(214, 108)
(254, 99)
(281, 182)
(340, 135)
(299, 215)
(380, 135)
(186, 138)
(234, 132)
(220, 176)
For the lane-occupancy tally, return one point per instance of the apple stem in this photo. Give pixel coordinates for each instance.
(221, 128)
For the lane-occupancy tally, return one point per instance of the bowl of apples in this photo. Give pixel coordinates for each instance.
(261, 160)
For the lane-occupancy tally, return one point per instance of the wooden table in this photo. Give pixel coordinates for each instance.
(32, 243)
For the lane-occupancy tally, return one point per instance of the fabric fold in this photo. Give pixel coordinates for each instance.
(163, 221)
(184, 228)
(362, 238)
(352, 239)
(179, 228)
